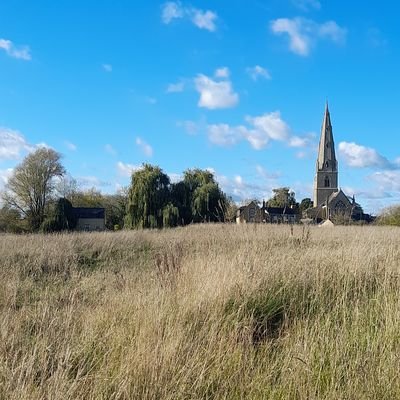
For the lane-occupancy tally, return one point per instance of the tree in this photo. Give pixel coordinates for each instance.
(282, 197)
(62, 218)
(305, 204)
(32, 184)
(10, 220)
(389, 216)
(149, 193)
(207, 201)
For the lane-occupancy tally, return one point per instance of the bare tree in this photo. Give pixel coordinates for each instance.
(32, 184)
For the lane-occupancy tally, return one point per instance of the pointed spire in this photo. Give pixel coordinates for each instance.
(326, 151)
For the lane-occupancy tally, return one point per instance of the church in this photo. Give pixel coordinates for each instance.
(329, 202)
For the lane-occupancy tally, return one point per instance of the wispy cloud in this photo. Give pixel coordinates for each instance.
(258, 72)
(126, 170)
(306, 5)
(190, 127)
(304, 33)
(176, 87)
(22, 53)
(215, 94)
(12, 144)
(107, 67)
(222, 72)
(144, 147)
(150, 100)
(5, 175)
(70, 146)
(172, 10)
(110, 149)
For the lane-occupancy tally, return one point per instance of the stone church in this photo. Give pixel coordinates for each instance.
(330, 202)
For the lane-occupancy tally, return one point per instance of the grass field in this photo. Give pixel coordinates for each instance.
(203, 312)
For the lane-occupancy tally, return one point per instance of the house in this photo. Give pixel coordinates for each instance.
(249, 213)
(89, 218)
(281, 215)
(274, 215)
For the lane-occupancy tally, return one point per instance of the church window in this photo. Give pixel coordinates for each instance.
(340, 208)
(327, 144)
(326, 182)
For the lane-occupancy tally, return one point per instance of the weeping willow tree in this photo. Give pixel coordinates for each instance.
(207, 201)
(148, 195)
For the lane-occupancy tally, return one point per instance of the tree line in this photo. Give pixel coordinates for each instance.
(40, 196)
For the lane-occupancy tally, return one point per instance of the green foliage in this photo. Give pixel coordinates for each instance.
(305, 204)
(62, 218)
(389, 216)
(170, 216)
(154, 203)
(148, 195)
(282, 197)
(207, 201)
(10, 221)
(32, 185)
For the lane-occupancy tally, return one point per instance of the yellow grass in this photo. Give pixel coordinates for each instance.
(203, 312)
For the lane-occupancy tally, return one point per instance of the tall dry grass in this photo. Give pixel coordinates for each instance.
(203, 312)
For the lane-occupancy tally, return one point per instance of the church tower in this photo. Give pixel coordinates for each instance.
(326, 177)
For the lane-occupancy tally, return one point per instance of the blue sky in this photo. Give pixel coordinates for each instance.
(236, 86)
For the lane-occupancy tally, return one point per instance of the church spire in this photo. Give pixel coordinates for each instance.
(326, 177)
(326, 151)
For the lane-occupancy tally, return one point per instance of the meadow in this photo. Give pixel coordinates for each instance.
(201, 312)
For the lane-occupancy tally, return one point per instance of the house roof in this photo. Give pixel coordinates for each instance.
(89, 212)
(280, 210)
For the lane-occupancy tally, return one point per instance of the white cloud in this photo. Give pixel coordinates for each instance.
(172, 10)
(22, 53)
(215, 94)
(127, 169)
(257, 72)
(144, 147)
(358, 156)
(110, 149)
(272, 125)
(222, 72)
(306, 5)
(174, 177)
(304, 33)
(12, 144)
(387, 180)
(107, 67)
(241, 189)
(296, 141)
(176, 87)
(88, 182)
(5, 176)
(70, 146)
(202, 19)
(259, 132)
(223, 134)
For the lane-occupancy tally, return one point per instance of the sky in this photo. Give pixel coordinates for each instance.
(238, 87)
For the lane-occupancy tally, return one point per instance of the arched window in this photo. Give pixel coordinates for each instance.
(327, 164)
(326, 182)
(340, 208)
